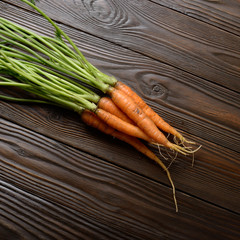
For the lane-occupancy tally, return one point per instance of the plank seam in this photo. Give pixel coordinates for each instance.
(202, 21)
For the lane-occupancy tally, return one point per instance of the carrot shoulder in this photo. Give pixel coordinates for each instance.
(120, 125)
(134, 112)
(108, 105)
(148, 111)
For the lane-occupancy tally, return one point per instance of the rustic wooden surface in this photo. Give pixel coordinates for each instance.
(63, 180)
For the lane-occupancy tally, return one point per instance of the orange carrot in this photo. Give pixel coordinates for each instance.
(148, 111)
(108, 105)
(134, 112)
(121, 125)
(92, 120)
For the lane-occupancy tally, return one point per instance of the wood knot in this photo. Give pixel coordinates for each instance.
(158, 89)
(152, 85)
(101, 10)
(155, 91)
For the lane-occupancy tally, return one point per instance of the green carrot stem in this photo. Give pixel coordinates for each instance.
(62, 80)
(14, 84)
(59, 31)
(52, 50)
(63, 47)
(56, 55)
(23, 100)
(106, 79)
(75, 86)
(60, 58)
(27, 74)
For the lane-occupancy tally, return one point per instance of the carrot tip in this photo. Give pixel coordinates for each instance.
(182, 150)
(182, 139)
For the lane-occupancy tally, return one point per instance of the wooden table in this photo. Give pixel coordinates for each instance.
(63, 180)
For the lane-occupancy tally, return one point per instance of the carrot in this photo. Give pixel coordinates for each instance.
(128, 106)
(92, 120)
(58, 88)
(121, 125)
(108, 105)
(149, 112)
(69, 60)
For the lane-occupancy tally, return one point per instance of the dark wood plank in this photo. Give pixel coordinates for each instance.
(53, 191)
(214, 178)
(224, 14)
(216, 134)
(71, 182)
(170, 37)
(190, 103)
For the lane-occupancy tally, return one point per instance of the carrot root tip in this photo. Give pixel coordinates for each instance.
(179, 137)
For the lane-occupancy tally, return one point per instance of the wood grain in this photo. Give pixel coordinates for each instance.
(214, 177)
(60, 179)
(155, 81)
(167, 89)
(223, 14)
(198, 48)
(53, 191)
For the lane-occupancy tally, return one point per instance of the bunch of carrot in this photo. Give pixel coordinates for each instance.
(45, 67)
